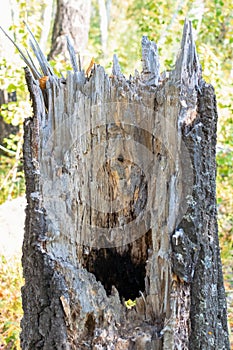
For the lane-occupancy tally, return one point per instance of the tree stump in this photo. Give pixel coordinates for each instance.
(121, 204)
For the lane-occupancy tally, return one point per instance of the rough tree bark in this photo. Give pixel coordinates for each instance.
(120, 178)
(73, 19)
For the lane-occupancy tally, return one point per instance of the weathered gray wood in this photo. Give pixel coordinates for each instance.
(150, 62)
(116, 69)
(120, 178)
(72, 56)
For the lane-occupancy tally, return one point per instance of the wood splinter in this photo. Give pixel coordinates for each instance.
(42, 82)
(90, 66)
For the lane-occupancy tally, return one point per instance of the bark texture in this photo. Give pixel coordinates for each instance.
(120, 178)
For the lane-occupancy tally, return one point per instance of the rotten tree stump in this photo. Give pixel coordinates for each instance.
(120, 186)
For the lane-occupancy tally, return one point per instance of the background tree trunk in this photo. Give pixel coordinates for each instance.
(73, 19)
(104, 11)
(120, 178)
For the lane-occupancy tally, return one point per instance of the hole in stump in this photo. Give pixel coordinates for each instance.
(123, 267)
(90, 324)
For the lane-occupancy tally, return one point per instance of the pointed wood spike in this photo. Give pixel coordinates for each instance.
(79, 62)
(116, 69)
(33, 65)
(44, 64)
(72, 55)
(150, 62)
(40, 60)
(187, 67)
(34, 71)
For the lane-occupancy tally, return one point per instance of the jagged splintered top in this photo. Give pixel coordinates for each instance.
(187, 68)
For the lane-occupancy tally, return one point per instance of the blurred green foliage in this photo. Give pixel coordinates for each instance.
(12, 79)
(11, 311)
